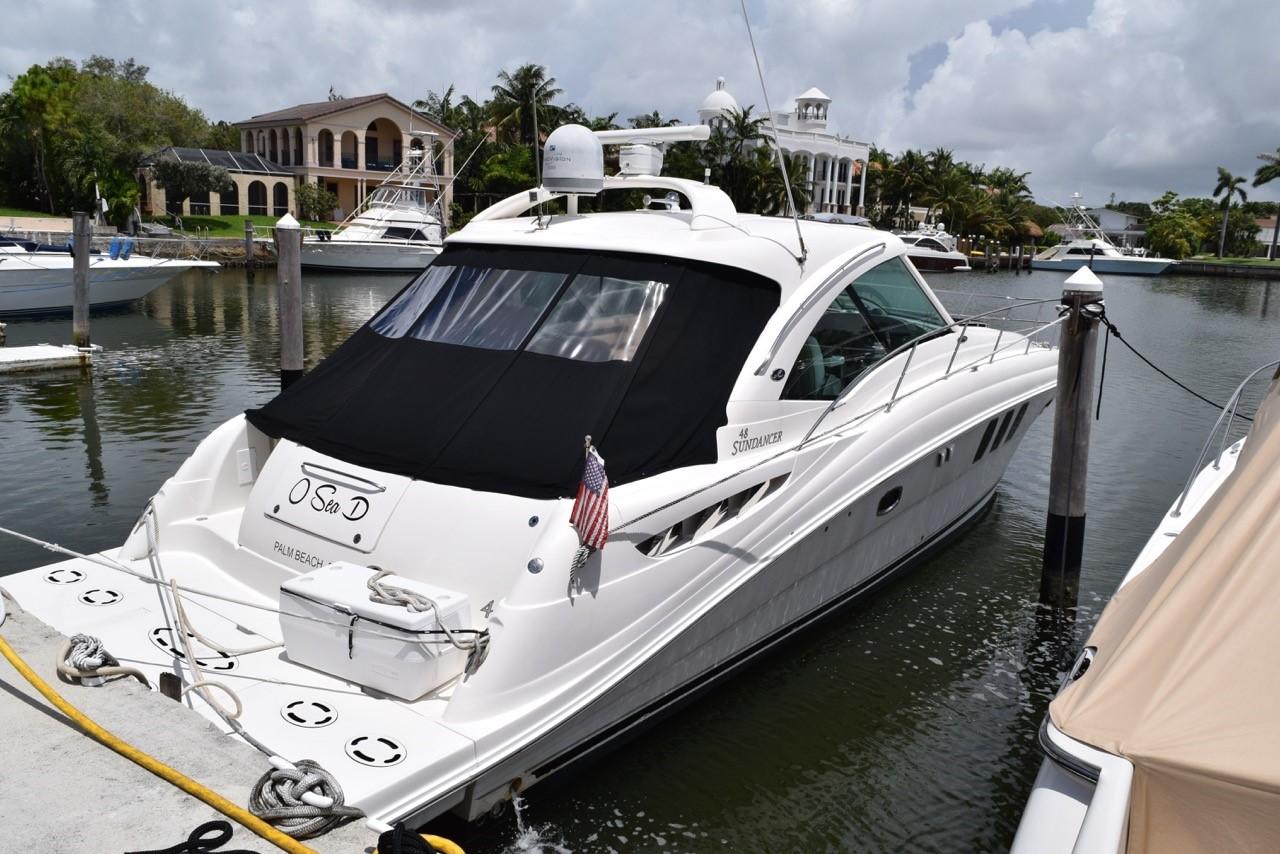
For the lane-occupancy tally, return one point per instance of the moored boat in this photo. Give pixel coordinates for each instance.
(1162, 735)
(599, 461)
(37, 279)
(398, 227)
(1087, 245)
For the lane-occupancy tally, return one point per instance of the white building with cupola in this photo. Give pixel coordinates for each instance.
(834, 164)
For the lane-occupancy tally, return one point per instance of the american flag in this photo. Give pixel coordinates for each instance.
(591, 507)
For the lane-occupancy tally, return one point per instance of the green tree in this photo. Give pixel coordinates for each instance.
(1268, 172)
(315, 202)
(1229, 186)
(651, 120)
(518, 94)
(181, 178)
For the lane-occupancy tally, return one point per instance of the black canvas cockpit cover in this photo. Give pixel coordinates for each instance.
(513, 420)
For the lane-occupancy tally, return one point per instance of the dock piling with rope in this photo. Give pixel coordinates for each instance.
(1072, 420)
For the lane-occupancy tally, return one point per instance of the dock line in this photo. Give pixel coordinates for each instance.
(155, 766)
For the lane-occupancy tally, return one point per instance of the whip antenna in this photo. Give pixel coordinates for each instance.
(777, 151)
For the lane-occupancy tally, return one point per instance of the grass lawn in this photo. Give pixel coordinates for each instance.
(1252, 262)
(20, 212)
(233, 226)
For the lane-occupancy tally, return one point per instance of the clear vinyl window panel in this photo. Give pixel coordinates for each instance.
(600, 319)
(471, 306)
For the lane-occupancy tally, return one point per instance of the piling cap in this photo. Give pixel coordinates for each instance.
(287, 221)
(1082, 283)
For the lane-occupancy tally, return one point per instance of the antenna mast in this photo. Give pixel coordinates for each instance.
(777, 151)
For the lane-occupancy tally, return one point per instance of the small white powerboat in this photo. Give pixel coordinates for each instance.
(38, 279)
(398, 227)
(1087, 245)
(414, 566)
(1162, 735)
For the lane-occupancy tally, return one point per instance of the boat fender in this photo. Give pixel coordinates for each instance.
(126, 248)
(115, 248)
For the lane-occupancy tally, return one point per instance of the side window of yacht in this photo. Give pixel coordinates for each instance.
(879, 311)
(929, 243)
(471, 306)
(599, 319)
(396, 232)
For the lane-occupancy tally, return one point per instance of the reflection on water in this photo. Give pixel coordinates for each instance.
(905, 723)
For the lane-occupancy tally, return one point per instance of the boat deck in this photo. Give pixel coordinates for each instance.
(381, 750)
(65, 792)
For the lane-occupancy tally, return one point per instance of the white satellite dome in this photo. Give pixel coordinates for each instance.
(719, 102)
(573, 161)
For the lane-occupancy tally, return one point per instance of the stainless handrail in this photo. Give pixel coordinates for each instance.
(1232, 403)
(911, 346)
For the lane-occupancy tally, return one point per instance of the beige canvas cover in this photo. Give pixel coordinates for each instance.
(1186, 679)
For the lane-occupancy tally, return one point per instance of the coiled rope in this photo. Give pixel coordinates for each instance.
(281, 797)
(84, 658)
(477, 647)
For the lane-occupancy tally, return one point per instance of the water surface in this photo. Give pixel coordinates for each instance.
(905, 723)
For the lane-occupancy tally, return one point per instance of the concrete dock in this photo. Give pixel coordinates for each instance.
(42, 357)
(63, 791)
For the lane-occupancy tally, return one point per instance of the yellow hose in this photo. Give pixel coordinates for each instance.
(439, 843)
(281, 840)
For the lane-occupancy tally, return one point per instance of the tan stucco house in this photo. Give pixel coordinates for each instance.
(347, 145)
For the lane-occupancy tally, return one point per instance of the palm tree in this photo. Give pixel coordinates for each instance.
(1267, 172)
(518, 94)
(652, 120)
(773, 192)
(944, 192)
(1229, 186)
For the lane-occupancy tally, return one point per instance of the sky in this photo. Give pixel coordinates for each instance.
(1131, 97)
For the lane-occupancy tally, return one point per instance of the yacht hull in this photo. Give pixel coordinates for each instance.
(1115, 266)
(843, 560)
(40, 291)
(367, 256)
(937, 262)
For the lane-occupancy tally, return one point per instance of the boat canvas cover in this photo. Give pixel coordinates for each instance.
(488, 370)
(1185, 682)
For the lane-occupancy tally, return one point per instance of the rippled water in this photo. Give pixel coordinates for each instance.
(905, 723)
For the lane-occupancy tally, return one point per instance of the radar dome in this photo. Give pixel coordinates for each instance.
(573, 161)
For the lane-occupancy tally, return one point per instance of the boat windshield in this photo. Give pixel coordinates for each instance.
(876, 313)
(488, 369)
(402, 197)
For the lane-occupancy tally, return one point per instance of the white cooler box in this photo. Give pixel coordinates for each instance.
(357, 648)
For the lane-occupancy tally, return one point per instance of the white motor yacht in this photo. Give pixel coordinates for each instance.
(1087, 245)
(397, 227)
(1162, 736)
(38, 279)
(933, 250)
(769, 427)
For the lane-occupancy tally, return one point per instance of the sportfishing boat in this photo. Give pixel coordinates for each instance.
(38, 279)
(397, 227)
(582, 466)
(933, 250)
(1162, 736)
(1087, 245)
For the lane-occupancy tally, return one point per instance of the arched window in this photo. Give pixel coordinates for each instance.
(349, 150)
(257, 199)
(229, 202)
(325, 143)
(382, 144)
(280, 199)
(297, 146)
(273, 146)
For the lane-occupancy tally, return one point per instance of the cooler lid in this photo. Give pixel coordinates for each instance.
(345, 587)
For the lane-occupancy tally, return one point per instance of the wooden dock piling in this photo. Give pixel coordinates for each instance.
(248, 248)
(1072, 419)
(289, 277)
(82, 245)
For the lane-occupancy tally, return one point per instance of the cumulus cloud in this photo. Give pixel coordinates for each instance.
(1138, 97)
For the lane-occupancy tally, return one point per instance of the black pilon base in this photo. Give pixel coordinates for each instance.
(1063, 554)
